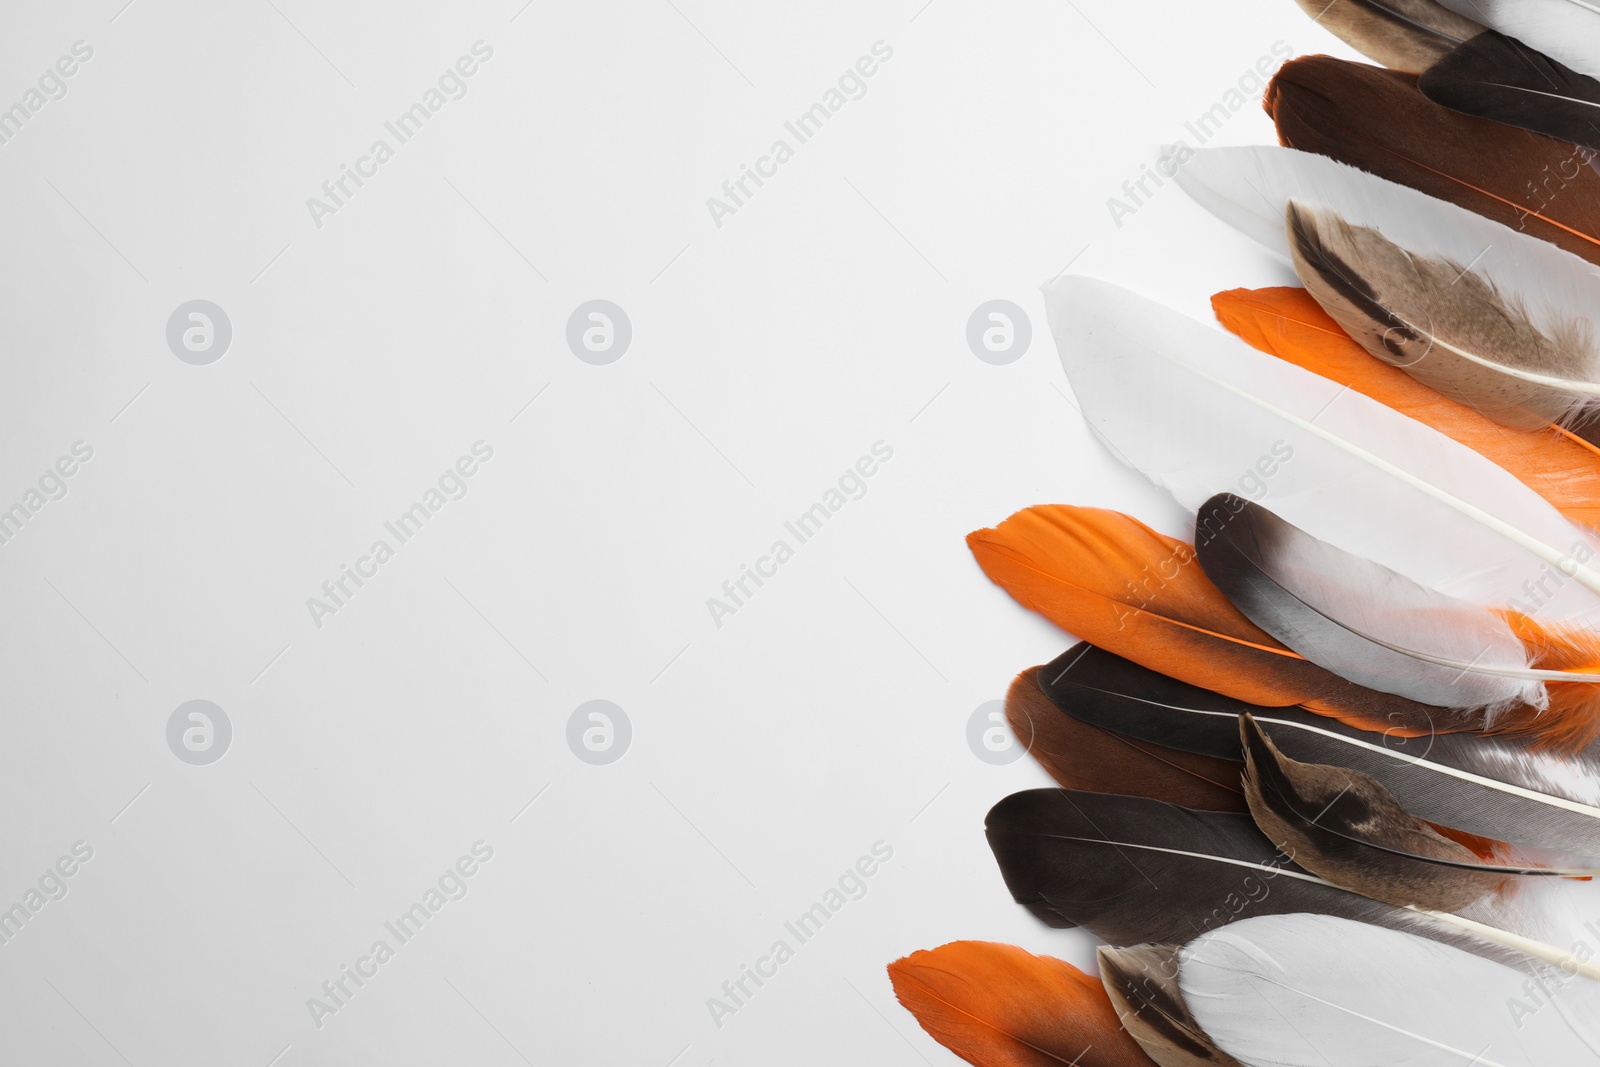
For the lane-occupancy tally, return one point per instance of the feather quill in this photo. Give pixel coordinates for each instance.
(1379, 120)
(1564, 30)
(1080, 755)
(1408, 35)
(998, 1006)
(1322, 991)
(1290, 324)
(1494, 787)
(1497, 77)
(1196, 410)
(1142, 982)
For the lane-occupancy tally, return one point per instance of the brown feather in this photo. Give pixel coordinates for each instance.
(1312, 812)
(1082, 756)
(1378, 120)
(1409, 35)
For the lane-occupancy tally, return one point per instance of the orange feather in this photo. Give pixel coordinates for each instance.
(998, 1006)
(1289, 324)
(1114, 582)
(1111, 580)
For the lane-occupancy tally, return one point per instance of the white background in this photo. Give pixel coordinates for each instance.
(768, 354)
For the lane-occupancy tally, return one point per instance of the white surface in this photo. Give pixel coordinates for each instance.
(768, 754)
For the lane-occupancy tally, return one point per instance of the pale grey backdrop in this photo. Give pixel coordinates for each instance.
(375, 344)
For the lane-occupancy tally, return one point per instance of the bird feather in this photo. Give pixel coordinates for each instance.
(1196, 410)
(1288, 323)
(1495, 787)
(1346, 827)
(1322, 991)
(1497, 77)
(997, 1005)
(1446, 325)
(1379, 120)
(1133, 870)
(1080, 755)
(1142, 982)
(1378, 628)
(1564, 30)
(1404, 34)
(1112, 580)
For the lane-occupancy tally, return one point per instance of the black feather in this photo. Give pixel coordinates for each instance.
(1456, 780)
(1133, 870)
(1497, 77)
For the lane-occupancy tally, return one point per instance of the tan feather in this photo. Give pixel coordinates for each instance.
(1408, 35)
(1444, 324)
(1142, 982)
(1328, 819)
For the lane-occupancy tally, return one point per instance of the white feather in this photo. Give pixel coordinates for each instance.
(1198, 411)
(1250, 189)
(1316, 991)
(1567, 31)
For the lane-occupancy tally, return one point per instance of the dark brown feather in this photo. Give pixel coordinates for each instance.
(1378, 120)
(1079, 755)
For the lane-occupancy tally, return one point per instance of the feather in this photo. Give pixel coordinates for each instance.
(998, 1006)
(1379, 120)
(1112, 580)
(1288, 323)
(1494, 787)
(1377, 628)
(1404, 34)
(1197, 411)
(1497, 77)
(1251, 189)
(1142, 981)
(1445, 325)
(1425, 279)
(1564, 30)
(1344, 826)
(1321, 991)
(1132, 870)
(1079, 755)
